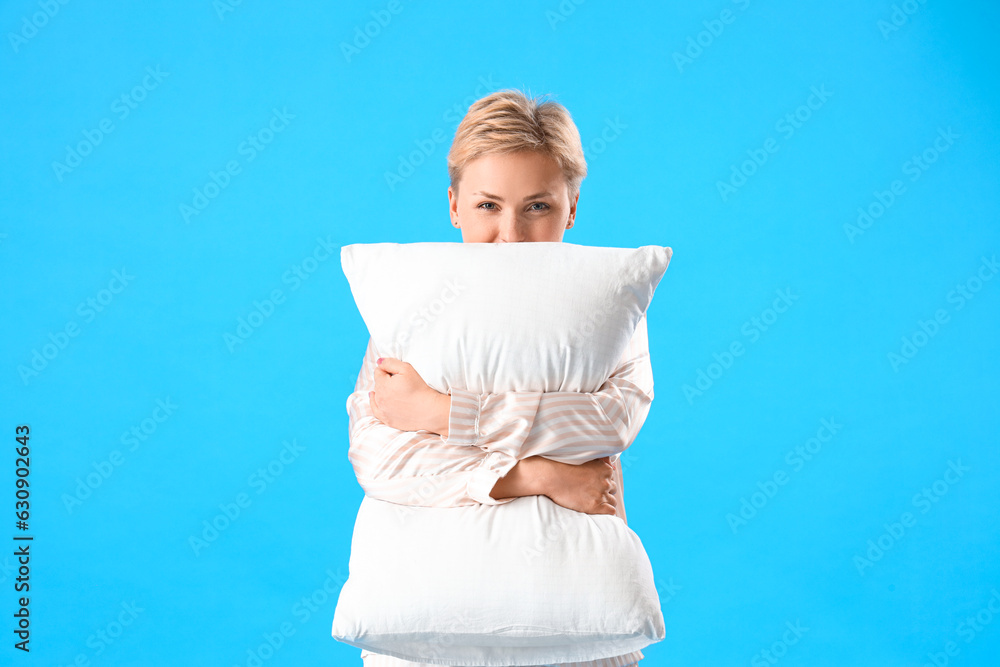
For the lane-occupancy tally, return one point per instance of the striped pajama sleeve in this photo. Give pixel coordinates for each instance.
(489, 433)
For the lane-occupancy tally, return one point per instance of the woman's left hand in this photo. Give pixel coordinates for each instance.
(404, 401)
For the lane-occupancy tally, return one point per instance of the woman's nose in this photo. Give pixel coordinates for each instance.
(510, 232)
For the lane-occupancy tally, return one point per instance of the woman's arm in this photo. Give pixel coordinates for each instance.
(570, 427)
(591, 487)
(488, 435)
(418, 467)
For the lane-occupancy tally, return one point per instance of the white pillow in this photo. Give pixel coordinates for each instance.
(494, 317)
(454, 585)
(523, 583)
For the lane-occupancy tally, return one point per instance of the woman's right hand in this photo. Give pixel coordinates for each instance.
(588, 487)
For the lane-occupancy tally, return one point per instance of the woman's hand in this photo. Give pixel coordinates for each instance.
(588, 487)
(404, 401)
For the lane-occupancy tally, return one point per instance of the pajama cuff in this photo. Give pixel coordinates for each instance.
(463, 418)
(484, 478)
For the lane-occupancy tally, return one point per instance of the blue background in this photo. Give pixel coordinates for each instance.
(681, 127)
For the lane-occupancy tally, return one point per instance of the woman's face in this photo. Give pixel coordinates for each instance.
(510, 198)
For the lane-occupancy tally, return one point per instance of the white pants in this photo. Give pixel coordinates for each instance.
(377, 660)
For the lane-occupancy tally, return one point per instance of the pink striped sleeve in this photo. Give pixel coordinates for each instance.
(416, 468)
(489, 433)
(571, 427)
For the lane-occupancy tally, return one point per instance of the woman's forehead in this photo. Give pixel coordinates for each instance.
(521, 171)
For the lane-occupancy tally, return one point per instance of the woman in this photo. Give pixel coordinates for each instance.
(515, 166)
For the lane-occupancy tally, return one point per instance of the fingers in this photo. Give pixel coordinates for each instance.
(610, 500)
(391, 364)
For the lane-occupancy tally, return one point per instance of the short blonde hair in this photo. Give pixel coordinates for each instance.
(507, 121)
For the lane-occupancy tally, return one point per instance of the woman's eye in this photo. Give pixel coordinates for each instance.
(490, 206)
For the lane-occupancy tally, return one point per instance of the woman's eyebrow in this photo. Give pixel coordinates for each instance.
(499, 198)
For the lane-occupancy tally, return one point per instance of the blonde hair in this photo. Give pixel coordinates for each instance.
(506, 121)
